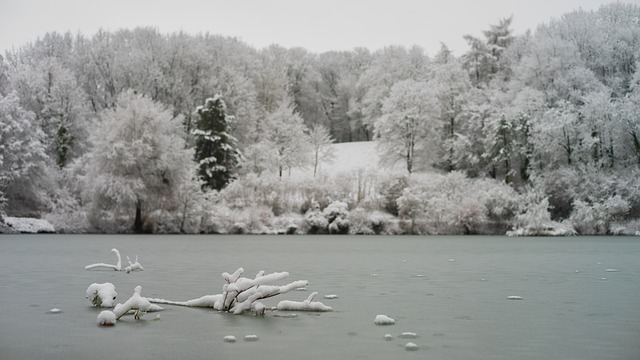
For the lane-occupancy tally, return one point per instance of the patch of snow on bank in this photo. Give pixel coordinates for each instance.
(29, 225)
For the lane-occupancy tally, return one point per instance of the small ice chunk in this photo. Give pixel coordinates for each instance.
(383, 320)
(55, 311)
(404, 260)
(331, 296)
(420, 275)
(409, 335)
(612, 270)
(577, 271)
(374, 275)
(107, 318)
(411, 346)
(301, 289)
(229, 339)
(483, 279)
(286, 315)
(388, 337)
(514, 297)
(603, 278)
(251, 338)
(452, 260)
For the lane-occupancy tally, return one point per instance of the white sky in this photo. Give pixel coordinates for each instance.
(317, 25)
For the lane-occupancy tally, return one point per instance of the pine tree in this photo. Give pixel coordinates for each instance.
(216, 150)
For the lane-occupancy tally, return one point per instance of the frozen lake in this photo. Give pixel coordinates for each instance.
(452, 292)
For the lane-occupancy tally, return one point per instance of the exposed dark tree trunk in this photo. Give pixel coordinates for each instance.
(137, 224)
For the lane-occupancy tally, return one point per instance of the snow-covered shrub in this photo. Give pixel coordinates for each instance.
(317, 222)
(364, 222)
(337, 214)
(289, 223)
(597, 217)
(454, 204)
(535, 219)
(390, 190)
(222, 219)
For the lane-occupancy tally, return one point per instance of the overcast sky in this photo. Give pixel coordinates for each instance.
(316, 25)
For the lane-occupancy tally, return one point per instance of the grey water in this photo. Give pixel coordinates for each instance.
(451, 291)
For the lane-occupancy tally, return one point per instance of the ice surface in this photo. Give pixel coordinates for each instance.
(383, 320)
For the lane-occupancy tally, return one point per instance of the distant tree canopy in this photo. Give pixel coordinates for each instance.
(560, 102)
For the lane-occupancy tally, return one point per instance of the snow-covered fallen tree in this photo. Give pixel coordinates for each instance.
(117, 266)
(240, 294)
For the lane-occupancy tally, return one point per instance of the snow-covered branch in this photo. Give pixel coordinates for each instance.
(118, 266)
(240, 294)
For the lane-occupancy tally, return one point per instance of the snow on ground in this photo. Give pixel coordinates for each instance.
(29, 225)
(354, 156)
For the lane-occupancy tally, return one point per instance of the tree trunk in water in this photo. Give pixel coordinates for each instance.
(137, 224)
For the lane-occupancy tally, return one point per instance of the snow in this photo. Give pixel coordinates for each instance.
(107, 318)
(383, 320)
(29, 225)
(411, 346)
(409, 335)
(116, 267)
(136, 302)
(514, 297)
(306, 305)
(229, 339)
(102, 295)
(133, 265)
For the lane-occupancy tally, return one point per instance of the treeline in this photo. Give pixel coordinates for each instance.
(552, 112)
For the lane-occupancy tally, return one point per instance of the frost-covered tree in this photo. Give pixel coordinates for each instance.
(22, 154)
(389, 66)
(138, 161)
(216, 150)
(51, 91)
(286, 131)
(408, 128)
(320, 141)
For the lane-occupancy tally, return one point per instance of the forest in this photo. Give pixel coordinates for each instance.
(139, 131)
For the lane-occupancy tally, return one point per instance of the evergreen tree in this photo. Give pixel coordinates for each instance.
(216, 150)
